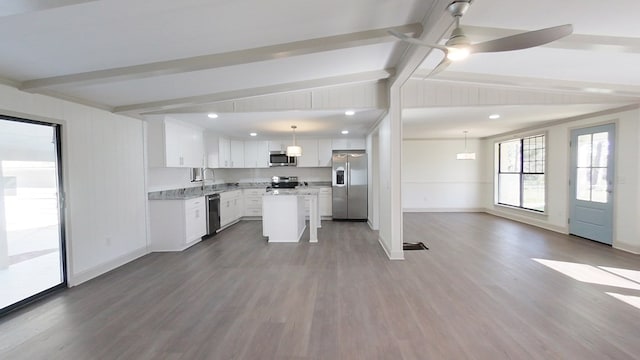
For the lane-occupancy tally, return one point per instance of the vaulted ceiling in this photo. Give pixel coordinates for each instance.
(187, 58)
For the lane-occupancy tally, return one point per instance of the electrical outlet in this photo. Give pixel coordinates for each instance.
(107, 240)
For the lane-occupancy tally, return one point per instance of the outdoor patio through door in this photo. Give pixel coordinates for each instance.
(32, 251)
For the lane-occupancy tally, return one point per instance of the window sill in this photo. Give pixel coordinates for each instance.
(540, 215)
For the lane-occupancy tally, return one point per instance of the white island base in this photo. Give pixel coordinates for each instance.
(283, 218)
(283, 215)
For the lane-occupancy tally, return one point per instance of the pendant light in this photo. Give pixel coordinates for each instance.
(294, 150)
(465, 155)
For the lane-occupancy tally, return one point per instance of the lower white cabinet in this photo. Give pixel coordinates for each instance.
(325, 201)
(230, 207)
(177, 224)
(253, 202)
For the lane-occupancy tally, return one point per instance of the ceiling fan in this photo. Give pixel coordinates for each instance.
(458, 46)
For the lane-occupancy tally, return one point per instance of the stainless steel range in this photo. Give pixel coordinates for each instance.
(284, 182)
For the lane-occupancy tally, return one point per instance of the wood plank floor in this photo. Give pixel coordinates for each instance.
(476, 294)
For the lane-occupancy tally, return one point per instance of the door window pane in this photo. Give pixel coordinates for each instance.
(599, 185)
(584, 150)
(600, 150)
(583, 184)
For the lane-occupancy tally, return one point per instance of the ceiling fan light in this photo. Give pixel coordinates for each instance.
(458, 53)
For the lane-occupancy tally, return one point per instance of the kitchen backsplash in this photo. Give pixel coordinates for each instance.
(160, 179)
(265, 174)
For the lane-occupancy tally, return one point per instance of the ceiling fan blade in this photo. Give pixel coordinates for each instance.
(524, 40)
(441, 66)
(415, 41)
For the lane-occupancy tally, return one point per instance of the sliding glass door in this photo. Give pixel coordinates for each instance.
(32, 255)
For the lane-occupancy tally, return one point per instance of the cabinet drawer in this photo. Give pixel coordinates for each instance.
(253, 202)
(195, 202)
(325, 191)
(253, 212)
(229, 195)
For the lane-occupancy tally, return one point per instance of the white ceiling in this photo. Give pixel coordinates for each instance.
(137, 56)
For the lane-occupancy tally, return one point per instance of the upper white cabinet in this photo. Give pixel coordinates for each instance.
(173, 143)
(348, 144)
(324, 152)
(309, 156)
(237, 153)
(228, 153)
(279, 145)
(224, 152)
(256, 154)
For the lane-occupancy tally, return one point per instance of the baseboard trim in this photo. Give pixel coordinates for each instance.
(440, 210)
(397, 255)
(86, 275)
(634, 249)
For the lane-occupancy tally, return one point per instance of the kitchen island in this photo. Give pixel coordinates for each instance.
(283, 215)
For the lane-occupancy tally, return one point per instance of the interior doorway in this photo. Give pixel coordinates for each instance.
(32, 246)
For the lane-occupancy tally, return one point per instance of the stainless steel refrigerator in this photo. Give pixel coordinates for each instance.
(349, 172)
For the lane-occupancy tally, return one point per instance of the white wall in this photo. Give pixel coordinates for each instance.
(626, 230)
(104, 181)
(433, 180)
(384, 179)
(373, 176)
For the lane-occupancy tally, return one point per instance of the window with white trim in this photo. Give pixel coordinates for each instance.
(521, 173)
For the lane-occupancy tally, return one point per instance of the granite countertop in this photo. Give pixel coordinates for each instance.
(298, 191)
(198, 191)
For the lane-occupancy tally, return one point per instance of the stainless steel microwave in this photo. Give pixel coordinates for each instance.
(280, 158)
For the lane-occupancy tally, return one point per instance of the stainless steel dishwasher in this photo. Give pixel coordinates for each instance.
(213, 213)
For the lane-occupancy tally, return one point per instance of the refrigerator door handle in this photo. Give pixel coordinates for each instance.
(348, 175)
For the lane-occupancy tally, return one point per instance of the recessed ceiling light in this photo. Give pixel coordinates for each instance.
(345, 132)
(349, 112)
(253, 134)
(494, 116)
(212, 116)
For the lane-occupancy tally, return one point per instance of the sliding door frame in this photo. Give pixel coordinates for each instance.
(57, 131)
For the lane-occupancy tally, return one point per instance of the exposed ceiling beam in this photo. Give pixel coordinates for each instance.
(186, 102)
(585, 88)
(212, 61)
(572, 42)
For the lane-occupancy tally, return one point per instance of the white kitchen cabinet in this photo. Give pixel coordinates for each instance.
(309, 156)
(324, 152)
(177, 224)
(230, 207)
(256, 154)
(237, 153)
(348, 144)
(252, 200)
(173, 143)
(224, 152)
(325, 201)
(279, 145)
